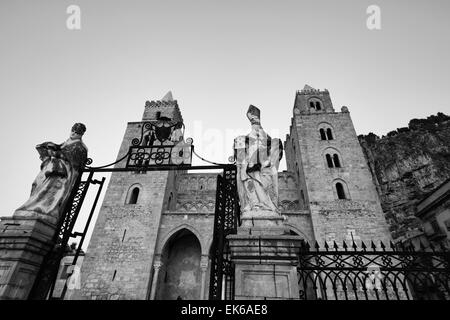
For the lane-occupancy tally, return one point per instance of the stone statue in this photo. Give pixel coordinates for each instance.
(257, 158)
(60, 168)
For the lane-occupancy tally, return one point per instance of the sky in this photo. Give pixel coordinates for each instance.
(216, 57)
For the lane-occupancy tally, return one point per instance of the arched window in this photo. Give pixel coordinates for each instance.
(329, 161)
(336, 161)
(340, 191)
(322, 134)
(311, 104)
(318, 107)
(329, 134)
(134, 196)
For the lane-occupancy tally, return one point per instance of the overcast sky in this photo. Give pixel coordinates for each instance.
(217, 57)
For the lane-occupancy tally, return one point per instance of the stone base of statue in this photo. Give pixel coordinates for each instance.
(265, 261)
(24, 242)
(261, 222)
(28, 214)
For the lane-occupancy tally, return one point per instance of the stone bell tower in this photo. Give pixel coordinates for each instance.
(335, 184)
(119, 259)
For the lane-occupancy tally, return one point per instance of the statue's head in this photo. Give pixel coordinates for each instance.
(78, 130)
(253, 114)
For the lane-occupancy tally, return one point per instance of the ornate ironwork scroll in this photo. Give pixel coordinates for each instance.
(160, 143)
(159, 132)
(141, 157)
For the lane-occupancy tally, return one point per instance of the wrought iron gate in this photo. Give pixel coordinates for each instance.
(226, 221)
(149, 154)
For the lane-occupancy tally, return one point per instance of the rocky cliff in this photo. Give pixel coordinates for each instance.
(406, 164)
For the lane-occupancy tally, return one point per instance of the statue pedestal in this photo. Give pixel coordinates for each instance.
(262, 223)
(24, 242)
(27, 214)
(265, 266)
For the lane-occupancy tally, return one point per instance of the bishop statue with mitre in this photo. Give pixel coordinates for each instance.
(257, 158)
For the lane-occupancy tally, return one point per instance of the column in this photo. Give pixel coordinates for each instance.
(204, 262)
(156, 266)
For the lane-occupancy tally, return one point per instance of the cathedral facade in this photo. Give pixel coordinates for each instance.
(153, 235)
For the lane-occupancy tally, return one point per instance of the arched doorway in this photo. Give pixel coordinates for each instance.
(180, 277)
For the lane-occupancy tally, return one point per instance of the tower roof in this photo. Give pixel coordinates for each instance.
(168, 97)
(308, 87)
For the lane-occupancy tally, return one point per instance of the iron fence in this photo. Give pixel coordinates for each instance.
(358, 272)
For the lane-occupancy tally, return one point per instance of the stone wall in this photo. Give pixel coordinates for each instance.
(196, 192)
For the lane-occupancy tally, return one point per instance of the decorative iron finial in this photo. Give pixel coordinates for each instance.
(392, 245)
(344, 245)
(317, 246)
(363, 246)
(335, 246)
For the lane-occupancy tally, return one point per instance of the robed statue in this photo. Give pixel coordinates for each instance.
(257, 159)
(61, 166)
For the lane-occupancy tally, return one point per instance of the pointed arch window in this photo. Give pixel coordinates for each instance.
(340, 191)
(326, 132)
(329, 160)
(329, 134)
(337, 163)
(134, 196)
(333, 160)
(315, 104)
(323, 136)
